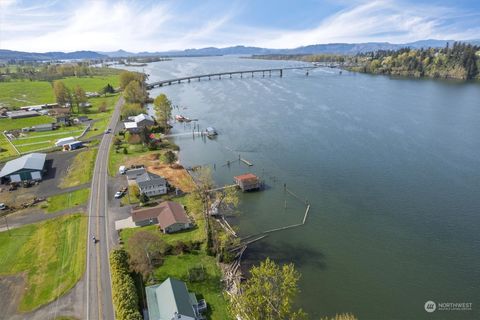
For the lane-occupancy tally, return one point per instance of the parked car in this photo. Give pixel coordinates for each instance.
(108, 130)
(118, 195)
(3, 206)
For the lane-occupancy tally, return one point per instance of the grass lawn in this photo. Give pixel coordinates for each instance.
(67, 200)
(209, 289)
(8, 124)
(51, 254)
(81, 169)
(42, 140)
(20, 93)
(6, 149)
(25, 93)
(93, 83)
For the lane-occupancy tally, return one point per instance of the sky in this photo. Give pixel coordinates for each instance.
(156, 25)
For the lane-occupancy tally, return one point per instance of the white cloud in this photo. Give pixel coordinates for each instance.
(133, 25)
(376, 21)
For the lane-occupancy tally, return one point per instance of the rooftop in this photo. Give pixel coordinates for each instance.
(167, 213)
(170, 300)
(246, 177)
(32, 161)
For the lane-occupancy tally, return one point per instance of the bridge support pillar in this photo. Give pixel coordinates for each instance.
(219, 77)
(281, 73)
(230, 76)
(252, 74)
(263, 74)
(241, 75)
(209, 78)
(188, 80)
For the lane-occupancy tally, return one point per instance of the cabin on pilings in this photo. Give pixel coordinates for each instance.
(248, 182)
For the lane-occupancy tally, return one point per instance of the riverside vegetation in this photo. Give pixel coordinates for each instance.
(459, 61)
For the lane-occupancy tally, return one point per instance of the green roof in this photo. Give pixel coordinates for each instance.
(169, 299)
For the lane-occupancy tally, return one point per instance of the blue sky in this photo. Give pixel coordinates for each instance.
(155, 25)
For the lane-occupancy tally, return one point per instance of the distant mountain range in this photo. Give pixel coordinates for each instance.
(20, 55)
(330, 48)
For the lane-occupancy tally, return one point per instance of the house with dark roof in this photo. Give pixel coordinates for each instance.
(148, 183)
(170, 217)
(25, 168)
(171, 300)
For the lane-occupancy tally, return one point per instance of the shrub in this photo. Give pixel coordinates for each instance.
(124, 294)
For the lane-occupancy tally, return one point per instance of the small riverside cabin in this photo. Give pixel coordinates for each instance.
(247, 182)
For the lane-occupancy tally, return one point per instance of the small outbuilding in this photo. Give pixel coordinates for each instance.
(63, 141)
(43, 127)
(26, 168)
(247, 182)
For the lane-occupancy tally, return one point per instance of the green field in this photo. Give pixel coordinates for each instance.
(16, 94)
(25, 93)
(41, 140)
(6, 149)
(81, 169)
(67, 200)
(50, 254)
(9, 124)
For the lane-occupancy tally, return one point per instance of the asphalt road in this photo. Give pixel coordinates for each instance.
(99, 292)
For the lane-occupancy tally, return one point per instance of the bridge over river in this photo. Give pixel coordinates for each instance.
(229, 74)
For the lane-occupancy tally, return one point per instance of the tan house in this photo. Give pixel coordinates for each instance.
(168, 215)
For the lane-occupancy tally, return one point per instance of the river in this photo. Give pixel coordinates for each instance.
(390, 166)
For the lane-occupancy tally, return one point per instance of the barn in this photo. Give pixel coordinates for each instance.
(28, 167)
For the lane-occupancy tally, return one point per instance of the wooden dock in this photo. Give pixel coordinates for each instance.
(248, 163)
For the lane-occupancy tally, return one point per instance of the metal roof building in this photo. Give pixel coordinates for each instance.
(28, 167)
(171, 300)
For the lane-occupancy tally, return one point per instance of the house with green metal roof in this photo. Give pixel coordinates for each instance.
(25, 168)
(171, 300)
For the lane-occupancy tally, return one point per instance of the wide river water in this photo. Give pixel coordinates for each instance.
(391, 168)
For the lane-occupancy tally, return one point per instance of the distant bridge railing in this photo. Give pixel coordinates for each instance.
(209, 76)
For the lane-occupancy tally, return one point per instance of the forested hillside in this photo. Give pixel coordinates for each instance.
(460, 61)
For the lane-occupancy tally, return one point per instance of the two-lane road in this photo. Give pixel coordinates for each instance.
(99, 293)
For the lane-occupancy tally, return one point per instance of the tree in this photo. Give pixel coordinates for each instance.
(135, 93)
(107, 89)
(169, 157)
(268, 294)
(131, 109)
(124, 294)
(146, 250)
(61, 92)
(79, 96)
(143, 198)
(126, 77)
(163, 109)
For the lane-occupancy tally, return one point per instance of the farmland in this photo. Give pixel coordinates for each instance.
(51, 256)
(16, 94)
